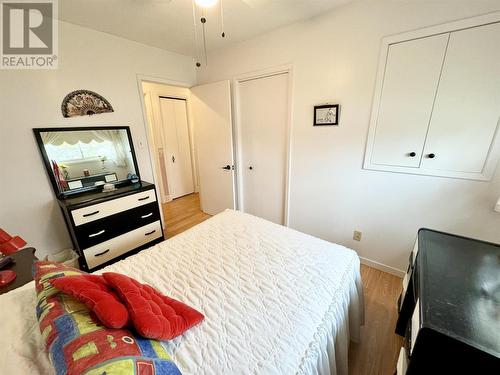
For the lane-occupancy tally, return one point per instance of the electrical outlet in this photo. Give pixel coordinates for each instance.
(357, 235)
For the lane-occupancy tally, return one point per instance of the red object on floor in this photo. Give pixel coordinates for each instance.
(11, 246)
(6, 277)
(92, 290)
(154, 315)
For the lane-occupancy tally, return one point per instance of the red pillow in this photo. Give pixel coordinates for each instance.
(92, 290)
(154, 315)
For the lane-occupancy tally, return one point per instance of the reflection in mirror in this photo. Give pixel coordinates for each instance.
(87, 158)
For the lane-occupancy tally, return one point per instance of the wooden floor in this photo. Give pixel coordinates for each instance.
(182, 213)
(378, 350)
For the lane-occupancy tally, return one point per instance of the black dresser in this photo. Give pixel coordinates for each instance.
(449, 311)
(107, 226)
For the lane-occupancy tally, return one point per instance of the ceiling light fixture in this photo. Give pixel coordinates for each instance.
(199, 16)
(205, 3)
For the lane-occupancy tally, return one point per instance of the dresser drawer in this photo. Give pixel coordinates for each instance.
(100, 210)
(415, 326)
(108, 250)
(402, 364)
(97, 231)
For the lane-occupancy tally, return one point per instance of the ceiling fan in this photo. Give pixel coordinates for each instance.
(200, 20)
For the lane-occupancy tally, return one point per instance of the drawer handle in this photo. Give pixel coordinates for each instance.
(147, 215)
(149, 233)
(91, 214)
(143, 198)
(97, 234)
(104, 252)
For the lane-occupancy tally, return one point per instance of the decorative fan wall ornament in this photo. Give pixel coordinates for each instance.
(84, 102)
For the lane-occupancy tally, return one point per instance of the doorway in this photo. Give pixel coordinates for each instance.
(242, 165)
(190, 143)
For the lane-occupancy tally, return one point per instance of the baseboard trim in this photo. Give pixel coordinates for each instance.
(382, 267)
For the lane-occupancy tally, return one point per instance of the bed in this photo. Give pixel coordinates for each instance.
(276, 301)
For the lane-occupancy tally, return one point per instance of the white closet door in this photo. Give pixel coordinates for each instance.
(410, 82)
(467, 108)
(185, 184)
(177, 151)
(263, 110)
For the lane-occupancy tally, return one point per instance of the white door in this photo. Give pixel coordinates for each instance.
(177, 150)
(467, 109)
(158, 150)
(263, 116)
(211, 104)
(410, 83)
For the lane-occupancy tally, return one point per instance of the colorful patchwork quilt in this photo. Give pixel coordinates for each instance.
(78, 344)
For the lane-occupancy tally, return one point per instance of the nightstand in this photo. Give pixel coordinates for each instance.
(23, 265)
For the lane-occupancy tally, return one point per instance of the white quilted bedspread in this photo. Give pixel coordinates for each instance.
(276, 301)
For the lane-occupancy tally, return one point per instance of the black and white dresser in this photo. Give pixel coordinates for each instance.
(449, 310)
(108, 226)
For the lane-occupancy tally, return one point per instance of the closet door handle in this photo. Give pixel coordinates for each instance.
(173, 159)
(227, 167)
(147, 215)
(143, 198)
(100, 254)
(150, 233)
(97, 233)
(412, 154)
(431, 156)
(91, 213)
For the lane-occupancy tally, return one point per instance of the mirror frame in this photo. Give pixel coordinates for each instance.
(64, 194)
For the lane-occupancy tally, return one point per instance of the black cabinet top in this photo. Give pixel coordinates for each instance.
(89, 198)
(459, 282)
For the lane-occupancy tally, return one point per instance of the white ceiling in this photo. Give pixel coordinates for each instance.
(168, 24)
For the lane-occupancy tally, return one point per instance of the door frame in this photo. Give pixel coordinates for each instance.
(149, 137)
(236, 81)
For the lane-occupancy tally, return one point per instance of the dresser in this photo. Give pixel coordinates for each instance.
(108, 226)
(449, 310)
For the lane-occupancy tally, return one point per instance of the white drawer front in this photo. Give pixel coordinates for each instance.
(402, 365)
(415, 325)
(107, 250)
(114, 206)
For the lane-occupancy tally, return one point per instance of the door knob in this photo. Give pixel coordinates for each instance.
(412, 154)
(250, 167)
(227, 167)
(173, 159)
(431, 156)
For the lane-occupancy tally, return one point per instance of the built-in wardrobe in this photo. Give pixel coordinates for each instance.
(437, 102)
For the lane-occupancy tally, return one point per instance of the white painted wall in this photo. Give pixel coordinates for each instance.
(335, 60)
(88, 60)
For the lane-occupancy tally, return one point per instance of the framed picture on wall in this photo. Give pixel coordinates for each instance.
(327, 114)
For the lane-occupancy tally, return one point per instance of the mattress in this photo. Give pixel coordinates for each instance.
(276, 301)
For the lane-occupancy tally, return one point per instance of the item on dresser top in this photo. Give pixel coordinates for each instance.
(78, 344)
(5, 261)
(9, 244)
(108, 187)
(154, 315)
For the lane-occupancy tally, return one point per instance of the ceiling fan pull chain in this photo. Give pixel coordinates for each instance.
(198, 64)
(203, 21)
(223, 34)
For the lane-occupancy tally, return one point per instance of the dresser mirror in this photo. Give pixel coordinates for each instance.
(84, 159)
